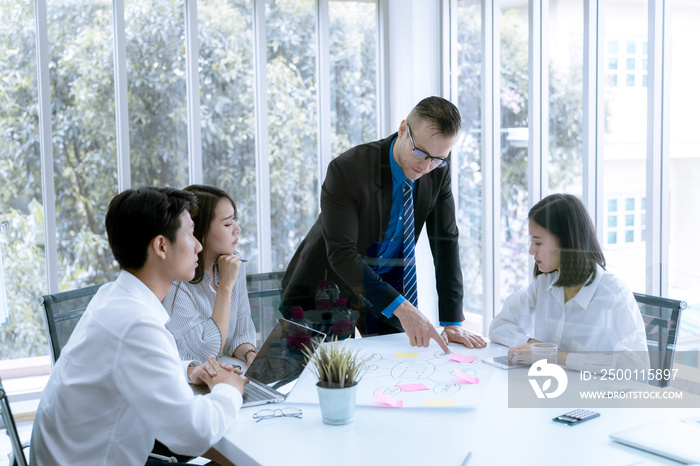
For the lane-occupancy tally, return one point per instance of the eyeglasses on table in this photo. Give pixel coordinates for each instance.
(279, 412)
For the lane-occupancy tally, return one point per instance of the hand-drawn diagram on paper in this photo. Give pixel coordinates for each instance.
(402, 376)
(421, 378)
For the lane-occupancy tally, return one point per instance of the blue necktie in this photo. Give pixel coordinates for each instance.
(410, 288)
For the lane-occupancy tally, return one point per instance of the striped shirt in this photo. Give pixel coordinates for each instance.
(190, 307)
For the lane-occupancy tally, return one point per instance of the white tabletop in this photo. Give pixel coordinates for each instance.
(492, 433)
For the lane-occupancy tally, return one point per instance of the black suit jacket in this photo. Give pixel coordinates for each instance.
(355, 209)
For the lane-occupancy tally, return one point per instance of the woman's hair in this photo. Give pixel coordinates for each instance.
(565, 216)
(208, 198)
(136, 216)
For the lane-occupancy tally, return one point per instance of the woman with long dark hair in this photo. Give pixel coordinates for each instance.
(572, 301)
(210, 315)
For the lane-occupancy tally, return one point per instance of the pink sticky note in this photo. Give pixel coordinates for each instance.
(412, 387)
(387, 400)
(462, 358)
(466, 377)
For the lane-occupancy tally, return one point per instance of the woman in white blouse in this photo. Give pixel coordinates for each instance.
(210, 315)
(573, 301)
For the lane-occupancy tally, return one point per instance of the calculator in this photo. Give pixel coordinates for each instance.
(576, 417)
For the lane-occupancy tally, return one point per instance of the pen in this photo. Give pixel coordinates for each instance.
(466, 460)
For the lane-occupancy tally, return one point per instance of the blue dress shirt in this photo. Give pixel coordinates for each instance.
(391, 248)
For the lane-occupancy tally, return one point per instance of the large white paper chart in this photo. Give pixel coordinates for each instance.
(396, 375)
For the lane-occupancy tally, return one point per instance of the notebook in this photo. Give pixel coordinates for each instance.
(675, 439)
(279, 363)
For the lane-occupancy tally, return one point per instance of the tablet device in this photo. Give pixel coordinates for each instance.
(502, 362)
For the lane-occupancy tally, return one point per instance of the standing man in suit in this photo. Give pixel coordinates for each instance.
(361, 241)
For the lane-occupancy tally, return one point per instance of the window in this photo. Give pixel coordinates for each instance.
(293, 129)
(514, 269)
(612, 221)
(625, 138)
(684, 161)
(634, 59)
(227, 110)
(84, 137)
(353, 47)
(155, 54)
(466, 157)
(21, 217)
(565, 164)
(612, 47)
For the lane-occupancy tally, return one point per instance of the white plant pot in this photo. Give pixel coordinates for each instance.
(337, 404)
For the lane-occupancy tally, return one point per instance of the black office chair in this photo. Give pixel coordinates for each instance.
(265, 295)
(62, 311)
(16, 457)
(662, 322)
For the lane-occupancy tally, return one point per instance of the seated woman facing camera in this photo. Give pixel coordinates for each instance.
(210, 315)
(573, 301)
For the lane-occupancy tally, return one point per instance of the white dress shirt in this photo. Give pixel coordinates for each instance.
(120, 383)
(190, 307)
(603, 316)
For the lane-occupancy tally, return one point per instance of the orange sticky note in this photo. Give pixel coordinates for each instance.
(462, 358)
(441, 402)
(466, 377)
(387, 400)
(412, 387)
(406, 355)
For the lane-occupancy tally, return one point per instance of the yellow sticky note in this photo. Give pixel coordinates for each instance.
(406, 355)
(442, 402)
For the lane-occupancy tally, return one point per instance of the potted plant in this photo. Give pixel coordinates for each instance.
(337, 368)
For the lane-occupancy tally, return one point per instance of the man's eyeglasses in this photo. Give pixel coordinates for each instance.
(420, 155)
(270, 413)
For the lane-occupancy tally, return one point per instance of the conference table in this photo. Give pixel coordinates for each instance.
(490, 433)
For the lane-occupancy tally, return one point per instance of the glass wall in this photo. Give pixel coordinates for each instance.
(227, 108)
(292, 118)
(22, 259)
(565, 54)
(625, 140)
(155, 55)
(84, 136)
(684, 175)
(83, 127)
(514, 269)
(466, 156)
(353, 50)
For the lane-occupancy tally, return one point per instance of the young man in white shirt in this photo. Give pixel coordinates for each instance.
(119, 382)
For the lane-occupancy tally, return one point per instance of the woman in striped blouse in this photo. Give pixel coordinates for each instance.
(210, 315)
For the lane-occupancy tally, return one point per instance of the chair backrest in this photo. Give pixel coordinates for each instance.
(661, 320)
(17, 458)
(265, 295)
(62, 311)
